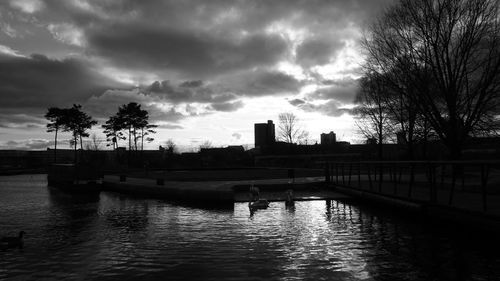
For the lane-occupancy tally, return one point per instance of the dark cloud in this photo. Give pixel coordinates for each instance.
(106, 105)
(40, 82)
(275, 82)
(262, 83)
(222, 16)
(192, 91)
(333, 98)
(156, 113)
(317, 51)
(191, 84)
(330, 108)
(227, 106)
(199, 38)
(342, 91)
(236, 136)
(297, 102)
(230, 89)
(344, 82)
(170, 126)
(191, 53)
(161, 108)
(223, 51)
(20, 120)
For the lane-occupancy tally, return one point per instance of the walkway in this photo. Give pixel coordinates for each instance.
(461, 187)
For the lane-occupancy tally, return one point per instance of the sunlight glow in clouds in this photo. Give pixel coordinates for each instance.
(204, 70)
(27, 6)
(67, 33)
(9, 51)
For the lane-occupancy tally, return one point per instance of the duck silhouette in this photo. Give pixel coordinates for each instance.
(12, 242)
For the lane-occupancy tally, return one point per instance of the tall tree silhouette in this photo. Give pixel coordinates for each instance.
(56, 117)
(134, 121)
(132, 118)
(78, 122)
(113, 131)
(145, 131)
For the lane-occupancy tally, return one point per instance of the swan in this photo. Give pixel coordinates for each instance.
(259, 204)
(12, 242)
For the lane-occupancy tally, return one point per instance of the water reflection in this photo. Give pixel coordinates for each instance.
(123, 214)
(70, 217)
(118, 237)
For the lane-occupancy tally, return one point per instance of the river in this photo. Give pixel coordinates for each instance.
(111, 236)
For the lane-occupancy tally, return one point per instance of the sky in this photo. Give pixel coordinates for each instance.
(204, 70)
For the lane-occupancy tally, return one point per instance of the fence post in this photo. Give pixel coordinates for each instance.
(336, 173)
(343, 173)
(484, 180)
(327, 172)
(350, 172)
(370, 177)
(381, 178)
(453, 183)
(432, 181)
(412, 179)
(291, 174)
(394, 178)
(443, 169)
(359, 175)
(331, 172)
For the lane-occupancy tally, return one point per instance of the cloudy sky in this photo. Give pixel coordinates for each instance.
(205, 70)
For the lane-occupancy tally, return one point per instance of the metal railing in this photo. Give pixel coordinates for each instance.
(429, 181)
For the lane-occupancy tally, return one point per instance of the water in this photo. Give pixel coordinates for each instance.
(112, 236)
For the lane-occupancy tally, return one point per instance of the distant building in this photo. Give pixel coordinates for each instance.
(264, 134)
(328, 139)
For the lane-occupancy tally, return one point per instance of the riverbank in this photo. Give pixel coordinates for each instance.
(225, 174)
(463, 216)
(225, 191)
(21, 171)
(223, 188)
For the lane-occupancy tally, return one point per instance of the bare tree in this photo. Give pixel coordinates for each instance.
(304, 138)
(206, 144)
(289, 129)
(448, 52)
(371, 111)
(95, 143)
(171, 146)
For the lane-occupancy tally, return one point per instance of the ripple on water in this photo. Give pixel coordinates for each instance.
(113, 236)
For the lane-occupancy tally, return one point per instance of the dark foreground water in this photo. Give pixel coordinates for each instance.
(115, 237)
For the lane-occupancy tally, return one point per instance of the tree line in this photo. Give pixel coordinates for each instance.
(130, 122)
(432, 69)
